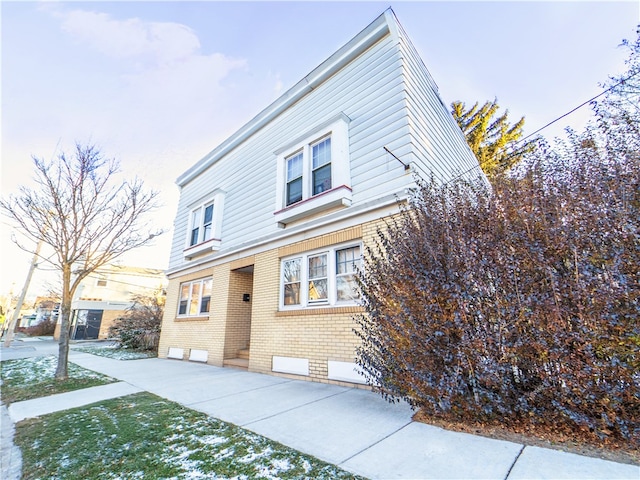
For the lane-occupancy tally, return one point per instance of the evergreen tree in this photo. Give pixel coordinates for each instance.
(494, 141)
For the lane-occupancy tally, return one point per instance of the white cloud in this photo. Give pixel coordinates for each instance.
(144, 92)
(164, 42)
(163, 92)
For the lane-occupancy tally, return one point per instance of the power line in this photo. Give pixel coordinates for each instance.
(580, 106)
(549, 124)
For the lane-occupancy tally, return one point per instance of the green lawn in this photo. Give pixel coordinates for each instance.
(145, 436)
(35, 377)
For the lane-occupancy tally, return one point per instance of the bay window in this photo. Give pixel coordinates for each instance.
(204, 225)
(322, 278)
(313, 172)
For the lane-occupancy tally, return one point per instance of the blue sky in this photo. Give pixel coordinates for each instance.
(159, 84)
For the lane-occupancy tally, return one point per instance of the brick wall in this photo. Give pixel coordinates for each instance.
(108, 318)
(238, 318)
(194, 332)
(319, 335)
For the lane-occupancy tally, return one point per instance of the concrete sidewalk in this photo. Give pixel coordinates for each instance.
(352, 428)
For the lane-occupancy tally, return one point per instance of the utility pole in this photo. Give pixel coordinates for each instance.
(16, 313)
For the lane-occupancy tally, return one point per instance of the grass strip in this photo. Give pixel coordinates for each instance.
(145, 436)
(115, 352)
(29, 378)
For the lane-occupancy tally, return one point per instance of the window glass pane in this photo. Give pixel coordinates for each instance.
(347, 260)
(322, 179)
(208, 214)
(195, 227)
(292, 294)
(347, 263)
(321, 165)
(195, 298)
(206, 233)
(294, 167)
(347, 288)
(194, 236)
(207, 224)
(318, 278)
(184, 299)
(291, 281)
(294, 179)
(321, 153)
(318, 266)
(292, 270)
(294, 191)
(318, 290)
(206, 295)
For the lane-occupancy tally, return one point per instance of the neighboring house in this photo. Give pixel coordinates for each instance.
(45, 308)
(272, 224)
(104, 296)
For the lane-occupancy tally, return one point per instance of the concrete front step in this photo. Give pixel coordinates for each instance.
(242, 363)
(244, 353)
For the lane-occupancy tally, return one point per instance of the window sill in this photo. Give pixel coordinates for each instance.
(191, 319)
(211, 245)
(336, 197)
(304, 311)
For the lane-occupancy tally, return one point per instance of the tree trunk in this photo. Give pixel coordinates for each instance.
(62, 371)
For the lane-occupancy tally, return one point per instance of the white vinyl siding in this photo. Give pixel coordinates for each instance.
(374, 91)
(248, 196)
(436, 139)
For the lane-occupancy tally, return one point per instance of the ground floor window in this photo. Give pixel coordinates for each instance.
(325, 277)
(195, 297)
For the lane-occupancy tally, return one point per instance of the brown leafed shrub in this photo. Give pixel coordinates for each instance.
(517, 303)
(139, 327)
(44, 328)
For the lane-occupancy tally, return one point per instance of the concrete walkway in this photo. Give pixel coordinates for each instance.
(354, 429)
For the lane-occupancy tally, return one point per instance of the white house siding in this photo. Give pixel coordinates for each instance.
(437, 141)
(369, 90)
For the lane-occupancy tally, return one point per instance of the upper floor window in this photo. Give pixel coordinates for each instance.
(309, 171)
(201, 222)
(204, 226)
(314, 172)
(101, 282)
(326, 277)
(195, 297)
(294, 179)
(321, 166)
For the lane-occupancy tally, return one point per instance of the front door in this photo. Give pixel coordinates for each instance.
(88, 324)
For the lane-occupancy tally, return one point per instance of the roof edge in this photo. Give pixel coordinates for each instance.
(379, 28)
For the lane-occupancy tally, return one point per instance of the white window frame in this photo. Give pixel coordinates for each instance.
(339, 193)
(305, 279)
(213, 242)
(198, 309)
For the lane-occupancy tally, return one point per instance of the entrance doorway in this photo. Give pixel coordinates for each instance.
(86, 325)
(237, 347)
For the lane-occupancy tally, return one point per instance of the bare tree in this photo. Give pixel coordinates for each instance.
(86, 215)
